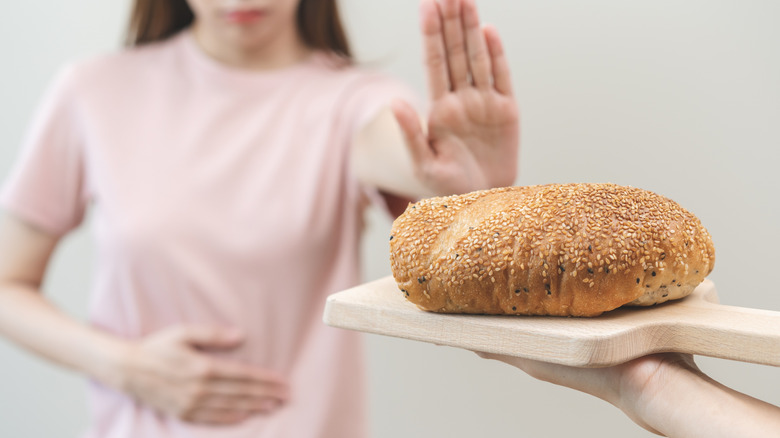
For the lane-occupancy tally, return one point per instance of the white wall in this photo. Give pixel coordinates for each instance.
(682, 98)
(36, 38)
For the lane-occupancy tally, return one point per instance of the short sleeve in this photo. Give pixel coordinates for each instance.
(46, 185)
(373, 92)
(367, 96)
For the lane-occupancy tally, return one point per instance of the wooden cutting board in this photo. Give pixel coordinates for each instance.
(696, 324)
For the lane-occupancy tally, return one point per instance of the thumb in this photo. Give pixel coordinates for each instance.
(205, 337)
(416, 141)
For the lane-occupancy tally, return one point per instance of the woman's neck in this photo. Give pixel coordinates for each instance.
(278, 52)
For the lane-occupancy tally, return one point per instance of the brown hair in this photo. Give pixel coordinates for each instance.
(318, 22)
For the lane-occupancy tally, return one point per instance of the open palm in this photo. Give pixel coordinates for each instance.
(472, 137)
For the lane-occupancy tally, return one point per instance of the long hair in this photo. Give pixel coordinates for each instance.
(318, 21)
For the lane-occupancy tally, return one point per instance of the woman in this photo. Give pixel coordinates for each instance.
(226, 157)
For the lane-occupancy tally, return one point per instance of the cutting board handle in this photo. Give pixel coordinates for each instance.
(700, 325)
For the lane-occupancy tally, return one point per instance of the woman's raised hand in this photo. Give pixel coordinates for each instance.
(472, 135)
(168, 372)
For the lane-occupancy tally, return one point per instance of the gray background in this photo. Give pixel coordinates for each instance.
(681, 98)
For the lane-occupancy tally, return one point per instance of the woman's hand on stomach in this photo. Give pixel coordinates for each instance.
(167, 371)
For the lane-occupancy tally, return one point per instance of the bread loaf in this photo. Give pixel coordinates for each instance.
(559, 249)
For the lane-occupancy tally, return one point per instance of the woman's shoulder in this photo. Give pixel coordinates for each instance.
(122, 65)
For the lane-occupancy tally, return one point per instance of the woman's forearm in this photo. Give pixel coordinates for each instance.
(31, 321)
(690, 404)
(666, 394)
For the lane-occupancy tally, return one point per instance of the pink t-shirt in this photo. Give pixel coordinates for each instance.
(218, 197)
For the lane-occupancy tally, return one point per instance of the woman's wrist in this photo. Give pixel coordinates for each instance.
(669, 395)
(649, 388)
(107, 360)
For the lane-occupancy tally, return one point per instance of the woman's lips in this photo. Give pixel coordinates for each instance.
(244, 16)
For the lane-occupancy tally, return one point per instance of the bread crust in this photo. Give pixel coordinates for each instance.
(558, 249)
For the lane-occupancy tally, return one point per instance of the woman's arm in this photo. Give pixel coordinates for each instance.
(31, 321)
(666, 394)
(164, 370)
(470, 139)
(380, 158)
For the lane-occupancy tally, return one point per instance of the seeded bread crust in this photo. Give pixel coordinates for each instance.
(559, 249)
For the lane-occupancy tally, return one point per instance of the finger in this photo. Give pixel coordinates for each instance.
(510, 360)
(455, 44)
(232, 377)
(539, 370)
(433, 45)
(217, 416)
(599, 382)
(222, 369)
(478, 56)
(415, 139)
(252, 388)
(502, 79)
(209, 337)
(240, 403)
